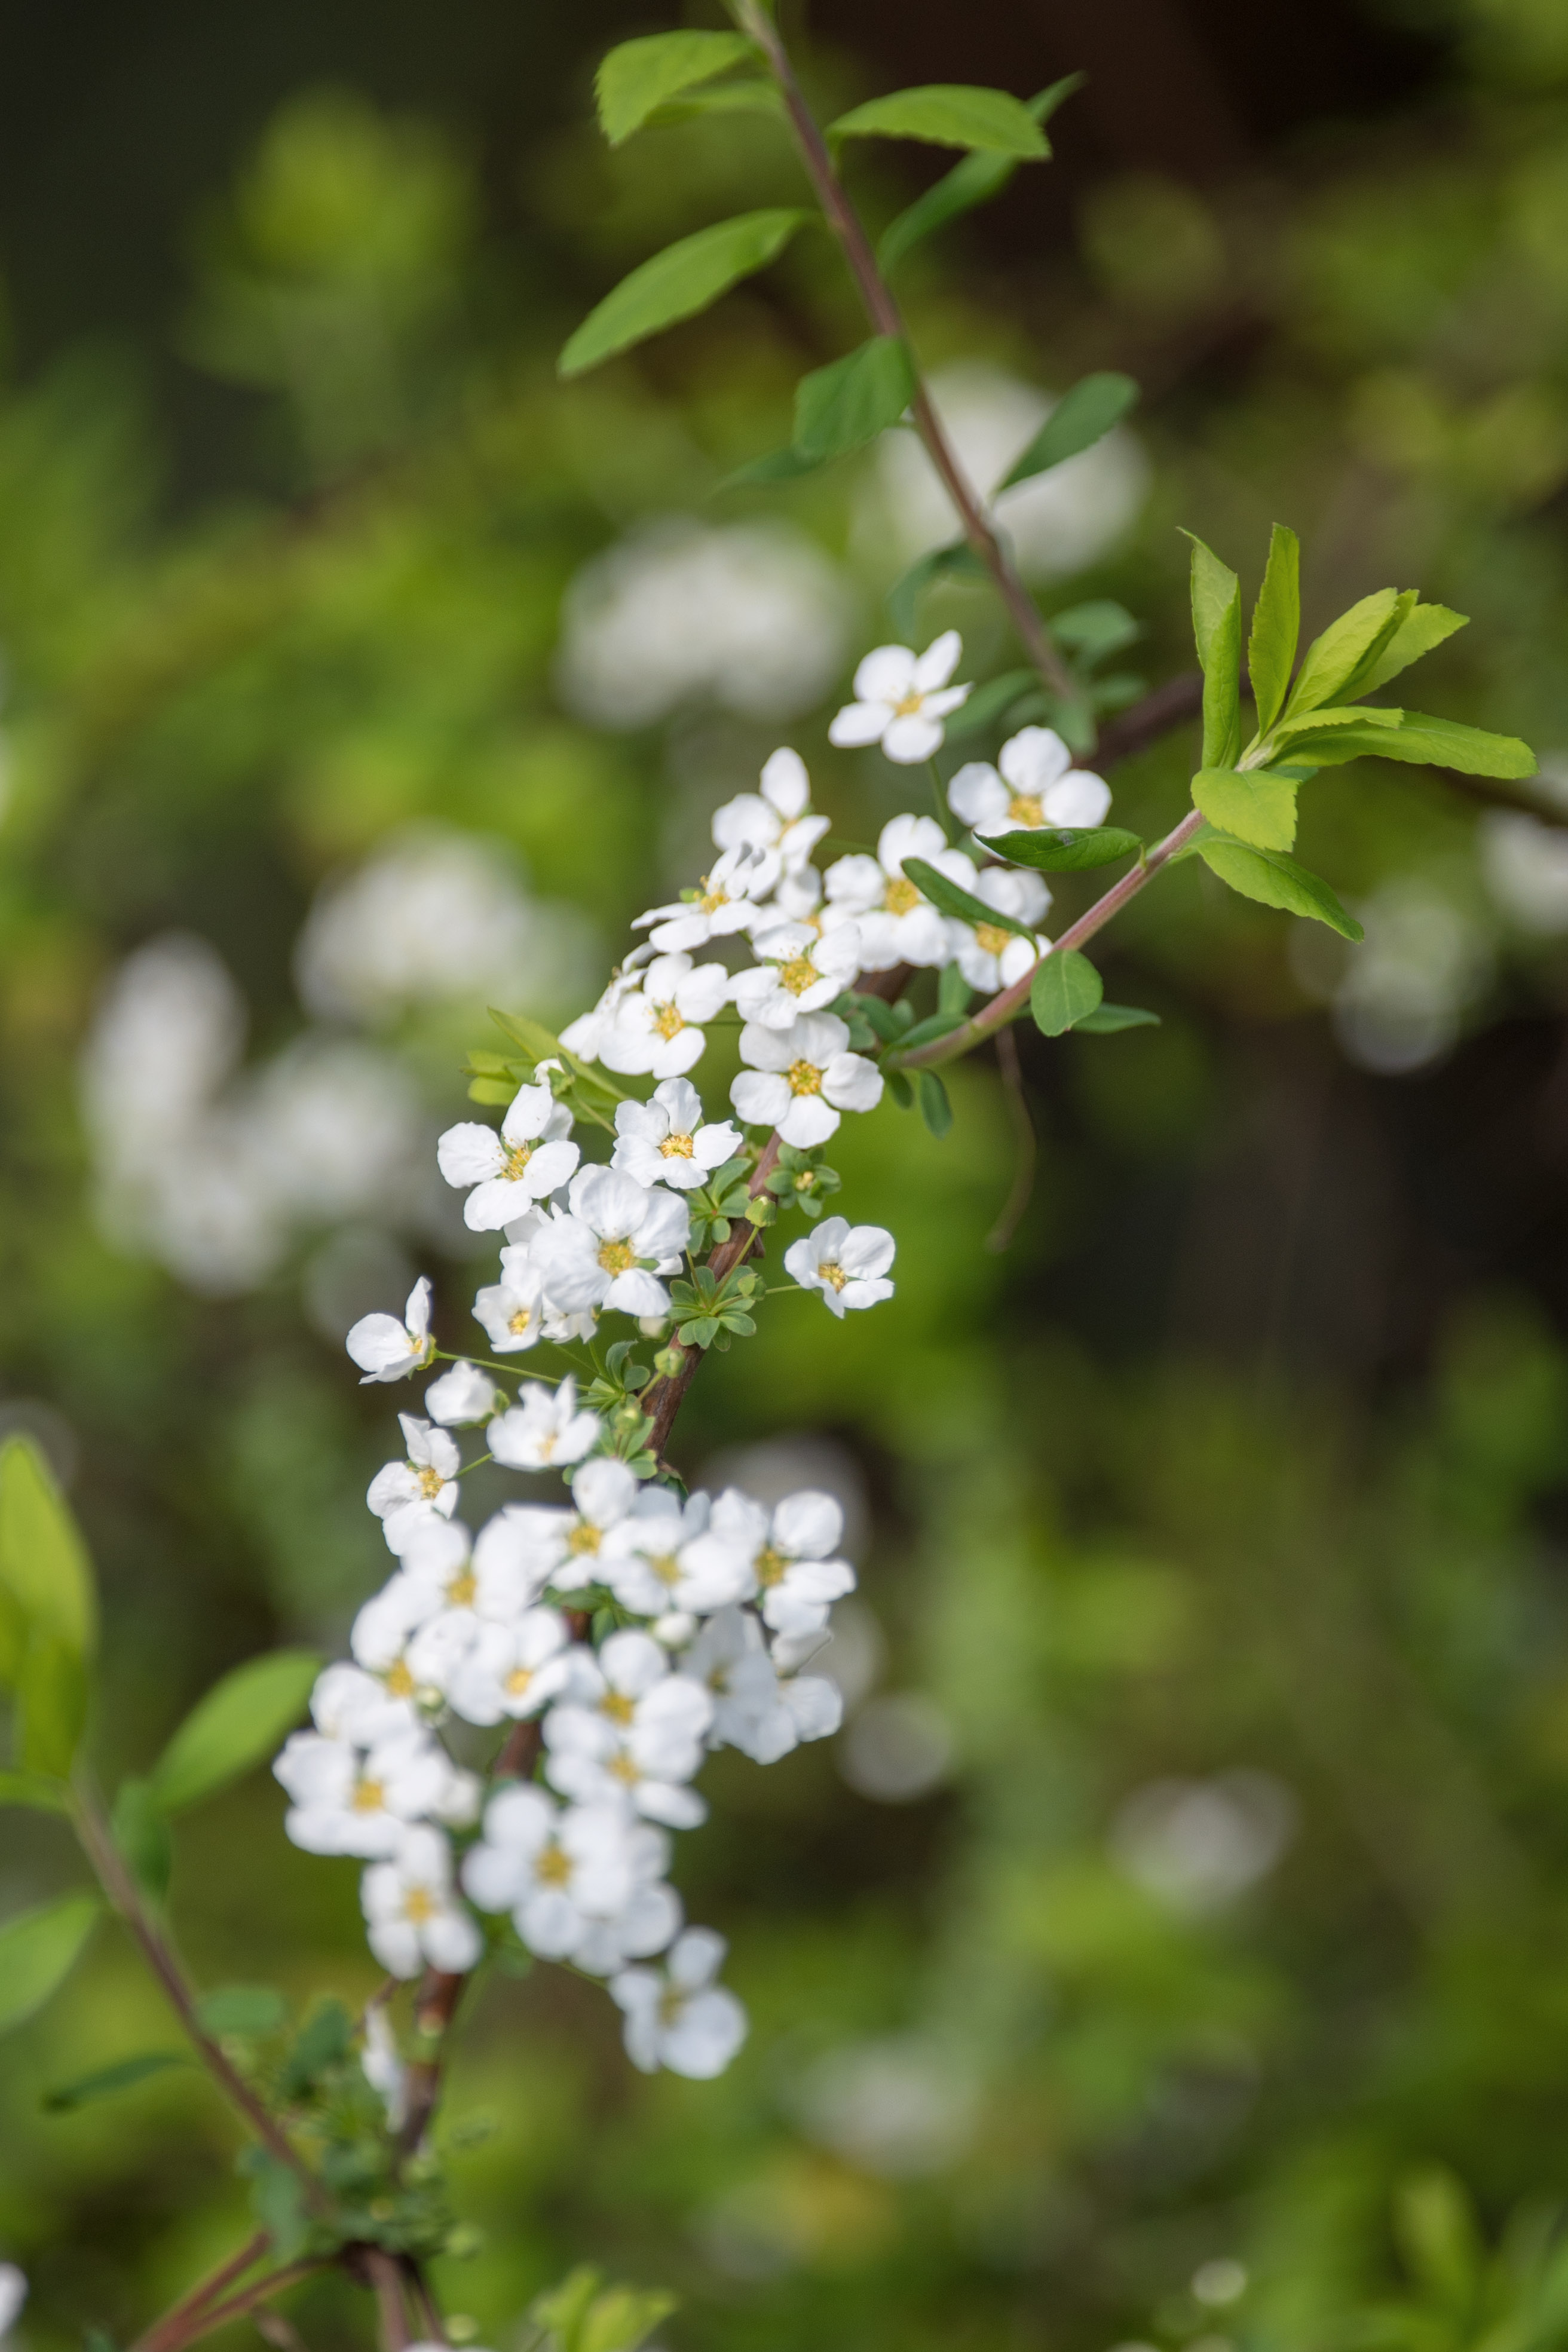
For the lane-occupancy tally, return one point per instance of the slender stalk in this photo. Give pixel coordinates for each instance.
(383, 2274)
(210, 2316)
(883, 311)
(171, 2329)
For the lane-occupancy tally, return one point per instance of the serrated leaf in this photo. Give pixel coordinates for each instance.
(678, 283)
(1335, 656)
(45, 1570)
(1217, 630)
(1255, 807)
(640, 74)
(1050, 850)
(1415, 633)
(1275, 627)
(237, 1725)
(975, 181)
(1080, 418)
(107, 2080)
(747, 97)
(1335, 714)
(36, 1790)
(1106, 1019)
(1420, 741)
(990, 703)
(1276, 880)
(249, 2010)
(39, 1949)
(954, 899)
(949, 115)
(935, 1108)
(1064, 989)
(841, 407)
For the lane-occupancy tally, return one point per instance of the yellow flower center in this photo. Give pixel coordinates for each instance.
(399, 1681)
(711, 900)
(623, 1769)
(992, 938)
(517, 1160)
(552, 1867)
(803, 1078)
(668, 1021)
(616, 1257)
(430, 1483)
(369, 1797)
(901, 897)
(418, 1906)
(667, 1568)
(619, 1709)
(772, 1566)
(832, 1271)
(676, 1147)
(583, 1538)
(460, 1591)
(671, 2005)
(799, 974)
(522, 1322)
(519, 1680)
(1025, 809)
(910, 703)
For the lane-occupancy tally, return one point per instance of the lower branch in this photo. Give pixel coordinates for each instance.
(170, 2336)
(173, 2328)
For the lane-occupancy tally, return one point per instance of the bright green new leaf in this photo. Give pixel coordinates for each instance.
(1080, 418)
(1217, 630)
(238, 1724)
(1334, 658)
(247, 2010)
(1065, 987)
(1276, 880)
(841, 407)
(1276, 627)
(37, 1950)
(1415, 634)
(972, 182)
(1336, 714)
(110, 2079)
(954, 899)
(748, 97)
(949, 115)
(1253, 806)
(1051, 852)
(35, 1789)
(51, 1704)
(582, 2314)
(935, 1108)
(1419, 741)
(1435, 2226)
(678, 283)
(44, 1571)
(641, 74)
(1106, 1020)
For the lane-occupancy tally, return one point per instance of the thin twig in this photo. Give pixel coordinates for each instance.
(213, 2316)
(382, 2272)
(1027, 1155)
(158, 2338)
(425, 2304)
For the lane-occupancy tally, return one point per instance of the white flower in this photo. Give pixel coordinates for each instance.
(664, 1141)
(544, 1429)
(530, 1158)
(384, 2069)
(797, 971)
(894, 923)
(353, 1703)
(463, 1394)
(13, 2296)
(386, 1349)
(609, 1249)
(753, 1710)
(787, 1558)
(728, 899)
(988, 955)
(411, 1917)
(584, 1035)
(512, 1670)
(1038, 785)
(900, 701)
(659, 1030)
(778, 817)
(581, 1882)
(567, 1544)
(634, 1736)
(404, 1496)
(652, 1567)
(682, 2020)
(347, 1800)
(802, 1078)
(798, 898)
(846, 1263)
(513, 1309)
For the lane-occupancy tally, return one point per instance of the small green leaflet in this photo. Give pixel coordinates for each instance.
(45, 1573)
(237, 1725)
(990, 703)
(678, 283)
(37, 1950)
(972, 182)
(1217, 630)
(1064, 989)
(949, 115)
(1416, 630)
(935, 1024)
(51, 1712)
(1106, 1019)
(110, 2079)
(935, 1108)
(247, 2010)
(841, 408)
(1080, 418)
(1336, 714)
(582, 2314)
(142, 1834)
(1333, 659)
(35, 1789)
(641, 74)
(1276, 627)
(1419, 741)
(747, 97)
(1051, 852)
(1254, 807)
(1276, 880)
(277, 2201)
(954, 899)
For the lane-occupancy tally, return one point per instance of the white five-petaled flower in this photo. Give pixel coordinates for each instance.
(461, 1396)
(777, 816)
(681, 2019)
(584, 1035)
(989, 955)
(786, 1557)
(353, 1704)
(618, 1236)
(652, 1567)
(353, 1801)
(410, 1912)
(1038, 785)
(753, 1710)
(658, 1030)
(530, 1158)
(666, 1141)
(894, 923)
(728, 899)
(386, 1349)
(902, 700)
(544, 1429)
(631, 1733)
(563, 1548)
(848, 1264)
(512, 1670)
(797, 971)
(404, 1496)
(581, 1882)
(802, 1078)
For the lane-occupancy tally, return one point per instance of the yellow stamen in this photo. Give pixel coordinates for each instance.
(517, 1160)
(711, 900)
(552, 1867)
(667, 1568)
(369, 1797)
(430, 1483)
(616, 1257)
(668, 1021)
(522, 1322)
(1025, 809)
(910, 703)
(623, 1769)
(583, 1539)
(772, 1566)
(460, 1591)
(803, 1078)
(619, 1708)
(676, 1147)
(832, 1271)
(901, 896)
(799, 974)
(418, 1906)
(519, 1680)
(399, 1681)
(992, 938)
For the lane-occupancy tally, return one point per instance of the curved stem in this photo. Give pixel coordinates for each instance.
(173, 2328)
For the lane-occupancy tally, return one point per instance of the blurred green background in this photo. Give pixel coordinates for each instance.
(1193, 1868)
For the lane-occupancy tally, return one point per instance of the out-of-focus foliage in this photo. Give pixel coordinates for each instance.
(1191, 1877)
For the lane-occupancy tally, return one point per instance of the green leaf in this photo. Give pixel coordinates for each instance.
(1276, 627)
(44, 1571)
(277, 2201)
(1080, 418)
(748, 97)
(935, 1108)
(949, 115)
(954, 992)
(36, 1790)
(1334, 658)
(1216, 629)
(1051, 851)
(1254, 807)
(935, 1024)
(51, 1704)
(990, 703)
(581, 2315)
(248, 2010)
(1065, 987)
(972, 182)
(954, 899)
(958, 561)
(641, 74)
(38, 1949)
(678, 283)
(1419, 741)
(841, 407)
(1335, 714)
(1417, 632)
(764, 473)
(1106, 1020)
(1276, 880)
(142, 1834)
(1096, 629)
(321, 2044)
(110, 2079)
(238, 1724)
(1435, 2225)
(899, 1086)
